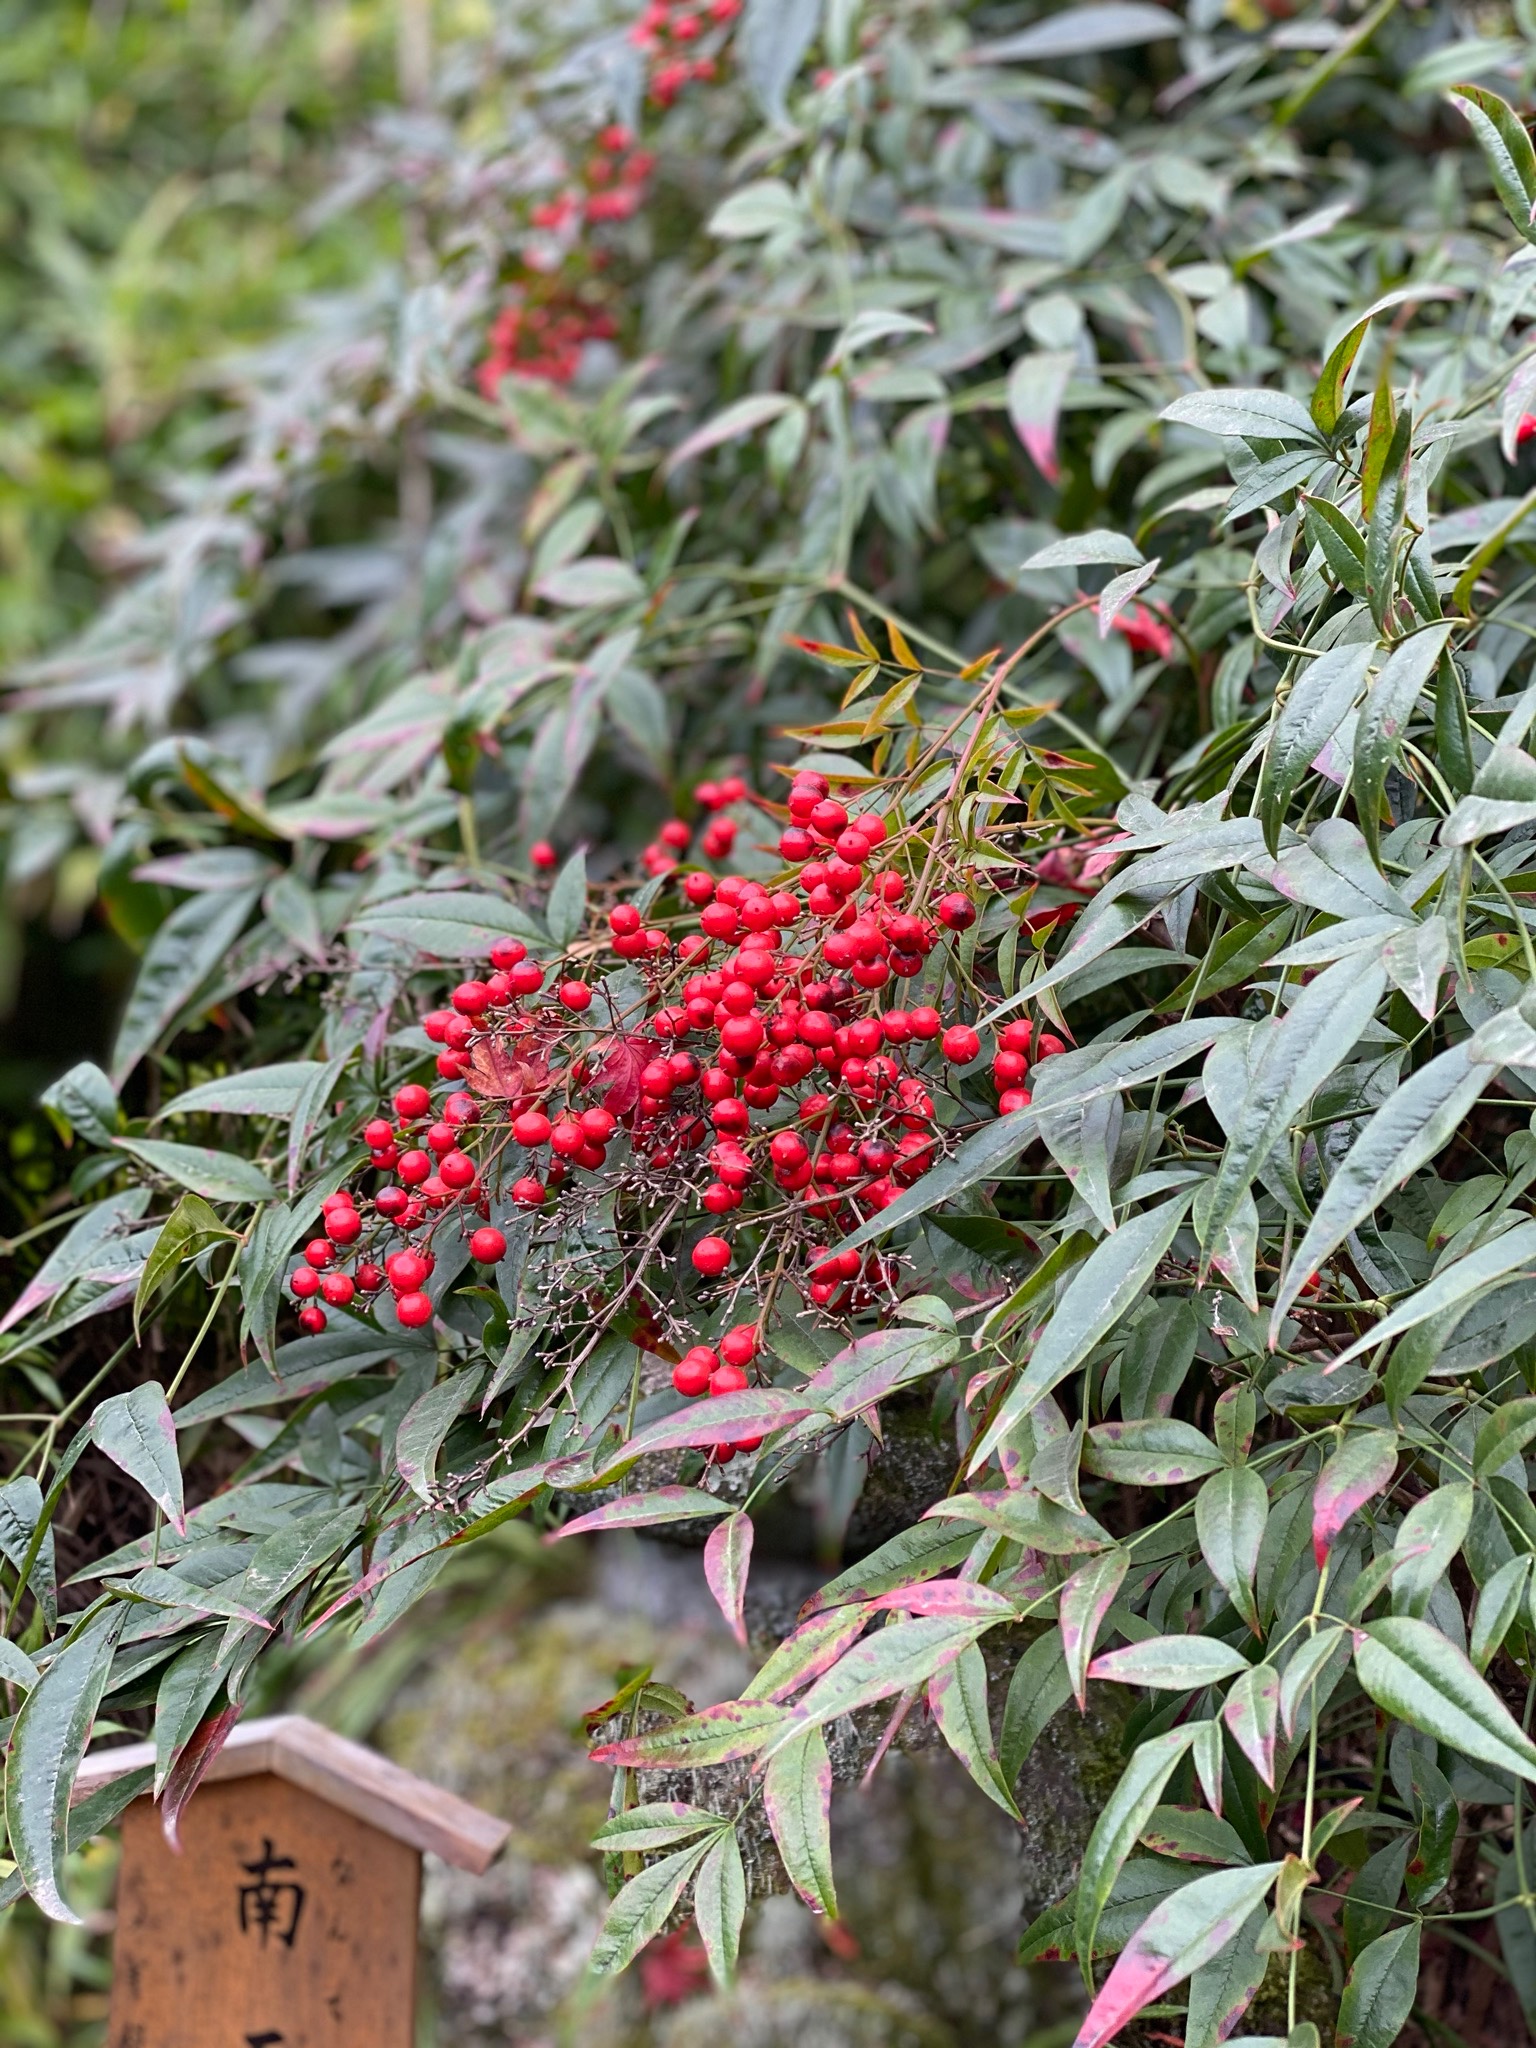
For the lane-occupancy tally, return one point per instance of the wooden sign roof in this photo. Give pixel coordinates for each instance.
(358, 1780)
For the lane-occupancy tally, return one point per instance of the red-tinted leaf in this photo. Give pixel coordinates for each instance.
(190, 1768)
(955, 1597)
(1359, 1469)
(1176, 1937)
(727, 1556)
(643, 1511)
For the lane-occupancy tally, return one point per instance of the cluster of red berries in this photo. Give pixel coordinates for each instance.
(676, 32)
(740, 1078)
(542, 340)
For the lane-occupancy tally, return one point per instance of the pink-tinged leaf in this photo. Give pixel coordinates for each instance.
(428, 1538)
(1251, 1711)
(1085, 1600)
(136, 1432)
(888, 1662)
(643, 1511)
(1359, 1469)
(190, 1768)
(814, 1647)
(727, 1557)
(958, 1597)
(1037, 384)
(797, 1798)
(1174, 1940)
(719, 1419)
(719, 1735)
(875, 1365)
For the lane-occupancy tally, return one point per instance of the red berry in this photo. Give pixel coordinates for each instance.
(319, 1252)
(711, 1257)
(526, 978)
(925, 1021)
(487, 1246)
(960, 1045)
(407, 1270)
(338, 1289)
(542, 854)
(739, 1346)
(414, 1167)
(411, 1101)
(461, 1109)
(599, 1124)
(531, 1128)
(528, 1193)
(414, 1310)
(624, 918)
(567, 1139)
(1012, 1099)
(691, 1373)
(370, 1278)
(957, 911)
(391, 1201)
(507, 953)
(304, 1281)
(312, 1320)
(457, 1170)
(344, 1226)
(470, 998)
(727, 1379)
(575, 995)
(378, 1133)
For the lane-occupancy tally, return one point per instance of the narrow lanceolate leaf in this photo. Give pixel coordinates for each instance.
(720, 1421)
(1251, 1712)
(1301, 1674)
(1414, 1672)
(1359, 1469)
(136, 1432)
(1414, 1123)
(1497, 1606)
(962, 1599)
(727, 1556)
(957, 1699)
(1231, 1511)
(642, 1909)
(1177, 1937)
(427, 1422)
(190, 1229)
(893, 1660)
(1105, 1286)
(1319, 702)
(643, 1511)
(217, 1176)
(660, 1825)
(719, 1735)
(1315, 1035)
(1428, 1537)
(1170, 1663)
(1222, 1990)
(183, 955)
(797, 1798)
(47, 1743)
(257, 1091)
(1504, 1435)
(1504, 142)
(1036, 386)
(1463, 1280)
(720, 1906)
(1155, 1450)
(1118, 1827)
(1380, 1990)
(814, 1647)
(1085, 1600)
(1383, 723)
(1038, 1690)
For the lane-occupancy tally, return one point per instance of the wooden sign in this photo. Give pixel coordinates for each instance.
(288, 1917)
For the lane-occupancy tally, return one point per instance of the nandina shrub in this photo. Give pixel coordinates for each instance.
(1218, 861)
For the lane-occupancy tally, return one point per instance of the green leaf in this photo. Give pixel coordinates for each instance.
(1320, 700)
(1411, 1670)
(797, 1798)
(893, 1660)
(1461, 1281)
(1126, 1812)
(566, 911)
(720, 1906)
(1376, 1889)
(1222, 1990)
(1170, 1663)
(1251, 1713)
(47, 1743)
(643, 1908)
(451, 924)
(1502, 136)
(1231, 1511)
(1040, 1687)
(1429, 1536)
(1384, 719)
(426, 1423)
(1187, 1930)
(773, 39)
(1504, 1435)
(1115, 550)
(184, 954)
(1037, 384)
(136, 1432)
(1191, 1835)
(1244, 414)
(643, 1511)
(257, 1091)
(85, 1100)
(957, 1699)
(1380, 1989)
(1414, 1123)
(189, 1229)
(1086, 1598)
(1099, 1295)
(1314, 1037)
(21, 1509)
(719, 1735)
(596, 581)
(1342, 545)
(1497, 1606)
(657, 1826)
(218, 1176)
(1156, 1450)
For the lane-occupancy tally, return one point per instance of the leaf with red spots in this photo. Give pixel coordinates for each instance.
(1177, 1938)
(727, 1556)
(1359, 1469)
(1085, 1600)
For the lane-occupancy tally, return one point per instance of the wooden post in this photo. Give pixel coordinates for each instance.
(288, 1917)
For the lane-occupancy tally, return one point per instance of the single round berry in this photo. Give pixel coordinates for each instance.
(542, 854)
(378, 1133)
(711, 1257)
(956, 911)
(960, 1045)
(506, 953)
(531, 1128)
(319, 1252)
(411, 1101)
(528, 1193)
(690, 1375)
(304, 1281)
(728, 1379)
(414, 1311)
(370, 1278)
(344, 1226)
(312, 1320)
(457, 1170)
(487, 1246)
(338, 1289)
(740, 1346)
(575, 995)
(414, 1167)
(925, 1021)
(407, 1270)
